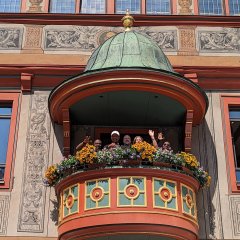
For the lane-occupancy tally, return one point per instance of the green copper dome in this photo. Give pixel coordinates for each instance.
(128, 49)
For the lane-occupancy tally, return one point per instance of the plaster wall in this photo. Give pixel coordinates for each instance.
(218, 215)
(29, 208)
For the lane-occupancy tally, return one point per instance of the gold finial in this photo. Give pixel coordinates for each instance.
(127, 21)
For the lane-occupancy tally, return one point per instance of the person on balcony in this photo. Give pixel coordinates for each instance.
(162, 144)
(137, 139)
(87, 140)
(98, 145)
(127, 142)
(115, 136)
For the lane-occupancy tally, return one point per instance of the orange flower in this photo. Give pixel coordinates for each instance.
(87, 154)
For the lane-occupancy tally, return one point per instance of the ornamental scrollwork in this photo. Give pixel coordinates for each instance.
(88, 38)
(165, 39)
(10, 38)
(220, 41)
(31, 215)
(82, 38)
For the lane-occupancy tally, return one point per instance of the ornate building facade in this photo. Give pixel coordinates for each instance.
(51, 97)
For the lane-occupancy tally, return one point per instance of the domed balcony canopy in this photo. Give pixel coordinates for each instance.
(128, 49)
(128, 71)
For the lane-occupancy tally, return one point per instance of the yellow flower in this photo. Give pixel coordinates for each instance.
(86, 154)
(145, 149)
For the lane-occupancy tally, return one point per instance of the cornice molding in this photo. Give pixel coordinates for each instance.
(208, 77)
(114, 19)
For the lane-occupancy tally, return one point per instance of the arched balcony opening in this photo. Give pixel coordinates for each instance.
(131, 99)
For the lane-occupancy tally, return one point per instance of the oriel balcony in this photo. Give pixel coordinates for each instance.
(128, 84)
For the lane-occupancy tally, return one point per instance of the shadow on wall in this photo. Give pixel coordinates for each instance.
(203, 147)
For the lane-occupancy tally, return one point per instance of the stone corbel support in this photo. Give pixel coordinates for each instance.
(66, 132)
(188, 131)
(192, 76)
(26, 82)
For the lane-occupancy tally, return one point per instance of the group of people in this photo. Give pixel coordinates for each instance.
(127, 141)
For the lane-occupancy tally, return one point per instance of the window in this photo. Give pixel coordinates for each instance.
(231, 112)
(234, 7)
(158, 6)
(210, 7)
(8, 115)
(62, 6)
(10, 5)
(5, 119)
(97, 6)
(234, 116)
(132, 5)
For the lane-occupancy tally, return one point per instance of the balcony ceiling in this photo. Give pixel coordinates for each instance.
(127, 108)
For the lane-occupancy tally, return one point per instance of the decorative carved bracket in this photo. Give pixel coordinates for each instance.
(26, 82)
(192, 76)
(188, 131)
(66, 132)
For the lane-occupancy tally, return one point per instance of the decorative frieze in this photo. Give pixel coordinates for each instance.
(4, 208)
(219, 40)
(10, 38)
(235, 211)
(31, 215)
(86, 39)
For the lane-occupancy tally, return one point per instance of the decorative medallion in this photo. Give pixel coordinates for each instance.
(97, 193)
(131, 191)
(165, 194)
(189, 200)
(69, 201)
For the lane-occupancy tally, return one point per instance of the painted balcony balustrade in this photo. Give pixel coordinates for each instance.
(103, 192)
(135, 200)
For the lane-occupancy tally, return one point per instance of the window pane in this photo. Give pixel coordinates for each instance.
(234, 7)
(4, 130)
(95, 6)
(234, 115)
(158, 6)
(10, 5)
(238, 175)
(2, 171)
(62, 6)
(210, 7)
(5, 110)
(132, 5)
